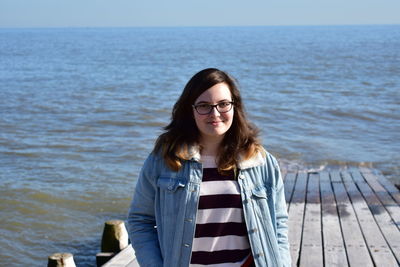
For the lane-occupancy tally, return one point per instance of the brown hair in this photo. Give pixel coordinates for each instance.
(182, 132)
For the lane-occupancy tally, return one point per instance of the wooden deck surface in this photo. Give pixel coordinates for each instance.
(346, 218)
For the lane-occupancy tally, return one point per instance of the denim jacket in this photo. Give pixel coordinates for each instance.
(162, 216)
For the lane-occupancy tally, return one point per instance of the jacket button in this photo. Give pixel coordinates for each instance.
(187, 245)
(241, 176)
(259, 254)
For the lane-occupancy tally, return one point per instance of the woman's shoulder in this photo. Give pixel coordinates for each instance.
(154, 161)
(271, 158)
(261, 157)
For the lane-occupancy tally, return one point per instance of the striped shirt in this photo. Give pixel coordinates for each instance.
(221, 236)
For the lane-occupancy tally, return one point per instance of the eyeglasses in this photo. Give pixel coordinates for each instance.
(222, 107)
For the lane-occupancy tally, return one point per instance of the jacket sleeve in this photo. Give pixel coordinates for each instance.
(281, 219)
(141, 217)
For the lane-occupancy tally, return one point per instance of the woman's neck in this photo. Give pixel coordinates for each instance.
(210, 146)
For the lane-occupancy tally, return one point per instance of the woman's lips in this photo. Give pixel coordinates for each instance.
(215, 123)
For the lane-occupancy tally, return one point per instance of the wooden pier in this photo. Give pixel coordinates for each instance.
(336, 218)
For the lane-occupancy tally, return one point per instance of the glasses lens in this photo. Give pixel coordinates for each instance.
(203, 109)
(224, 106)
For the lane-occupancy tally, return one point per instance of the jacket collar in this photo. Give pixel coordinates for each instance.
(257, 160)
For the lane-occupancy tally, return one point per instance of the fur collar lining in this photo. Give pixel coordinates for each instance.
(256, 160)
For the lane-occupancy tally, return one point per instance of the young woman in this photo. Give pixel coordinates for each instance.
(209, 194)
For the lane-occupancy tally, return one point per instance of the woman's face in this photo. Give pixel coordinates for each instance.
(214, 125)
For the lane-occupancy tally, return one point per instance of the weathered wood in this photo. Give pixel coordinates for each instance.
(384, 196)
(61, 260)
(126, 258)
(290, 181)
(334, 249)
(387, 226)
(296, 215)
(390, 188)
(356, 249)
(115, 236)
(335, 177)
(311, 245)
(283, 173)
(378, 248)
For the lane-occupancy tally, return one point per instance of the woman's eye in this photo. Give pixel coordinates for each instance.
(223, 104)
(204, 106)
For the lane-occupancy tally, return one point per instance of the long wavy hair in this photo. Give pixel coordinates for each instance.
(239, 142)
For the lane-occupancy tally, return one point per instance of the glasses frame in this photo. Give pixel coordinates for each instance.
(214, 106)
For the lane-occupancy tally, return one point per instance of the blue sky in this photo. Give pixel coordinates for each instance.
(126, 13)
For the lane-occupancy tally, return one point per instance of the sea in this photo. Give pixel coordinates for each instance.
(80, 109)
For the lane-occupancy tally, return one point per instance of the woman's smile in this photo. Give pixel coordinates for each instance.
(216, 123)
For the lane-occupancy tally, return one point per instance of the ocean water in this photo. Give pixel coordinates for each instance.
(80, 109)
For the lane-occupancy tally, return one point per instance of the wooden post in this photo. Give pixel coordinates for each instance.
(61, 260)
(115, 239)
(115, 236)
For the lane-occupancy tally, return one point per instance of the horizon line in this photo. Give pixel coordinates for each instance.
(201, 26)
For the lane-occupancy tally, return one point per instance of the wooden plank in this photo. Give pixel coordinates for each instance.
(290, 181)
(356, 250)
(311, 245)
(284, 173)
(384, 196)
(125, 258)
(389, 230)
(296, 216)
(334, 249)
(389, 186)
(378, 248)
(388, 202)
(335, 177)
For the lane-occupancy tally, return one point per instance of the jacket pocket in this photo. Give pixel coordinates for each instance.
(170, 185)
(261, 197)
(259, 193)
(171, 195)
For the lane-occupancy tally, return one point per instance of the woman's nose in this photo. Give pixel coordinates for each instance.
(214, 111)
